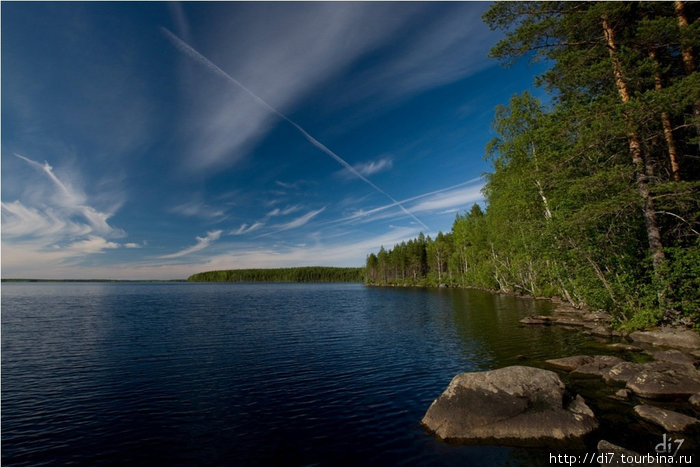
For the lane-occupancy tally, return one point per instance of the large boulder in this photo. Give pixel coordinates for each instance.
(517, 405)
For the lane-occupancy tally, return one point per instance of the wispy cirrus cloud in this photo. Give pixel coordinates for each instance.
(454, 197)
(460, 198)
(373, 167)
(202, 243)
(301, 220)
(198, 209)
(245, 228)
(335, 37)
(319, 253)
(283, 212)
(57, 214)
(67, 203)
(230, 123)
(273, 111)
(54, 225)
(369, 168)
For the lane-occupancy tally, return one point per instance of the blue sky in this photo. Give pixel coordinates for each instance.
(156, 140)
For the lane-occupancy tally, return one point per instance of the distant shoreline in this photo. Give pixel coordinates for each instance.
(294, 274)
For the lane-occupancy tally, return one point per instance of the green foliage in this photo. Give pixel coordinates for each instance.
(301, 274)
(579, 190)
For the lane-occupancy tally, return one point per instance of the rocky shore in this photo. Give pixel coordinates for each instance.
(652, 376)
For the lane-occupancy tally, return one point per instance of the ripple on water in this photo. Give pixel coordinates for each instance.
(246, 373)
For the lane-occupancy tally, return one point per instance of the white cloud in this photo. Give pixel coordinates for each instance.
(93, 244)
(132, 245)
(68, 202)
(300, 221)
(369, 168)
(373, 167)
(55, 225)
(460, 198)
(198, 209)
(454, 197)
(450, 46)
(283, 212)
(202, 243)
(245, 228)
(264, 48)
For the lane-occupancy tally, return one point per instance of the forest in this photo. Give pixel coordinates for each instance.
(300, 274)
(594, 195)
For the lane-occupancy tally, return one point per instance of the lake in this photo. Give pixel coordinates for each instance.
(251, 374)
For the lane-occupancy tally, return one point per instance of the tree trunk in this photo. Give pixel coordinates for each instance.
(666, 122)
(686, 50)
(635, 147)
(547, 211)
(688, 57)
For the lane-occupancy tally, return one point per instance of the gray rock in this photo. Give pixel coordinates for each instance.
(536, 320)
(569, 363)
(599, 366)
(669, 420)
(671, 337)
(623, 394)
(674, 356)
(569, 320)
(598, 316)
(660, 380)
(622, 372)
(517, 405)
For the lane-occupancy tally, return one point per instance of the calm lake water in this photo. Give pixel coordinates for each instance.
(250, 374)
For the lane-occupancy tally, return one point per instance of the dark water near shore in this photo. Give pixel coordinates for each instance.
(250, 374)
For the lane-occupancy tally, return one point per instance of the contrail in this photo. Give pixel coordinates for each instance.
(192, 53)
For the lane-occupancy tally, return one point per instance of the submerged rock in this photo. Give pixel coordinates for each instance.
(516, 405)
(668, 419)
(536, 320)
(569, 363)
(598, 330)
(624, 347)
(599, 366)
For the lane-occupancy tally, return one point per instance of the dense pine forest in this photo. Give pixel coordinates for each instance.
(594, 197)
(301, 274)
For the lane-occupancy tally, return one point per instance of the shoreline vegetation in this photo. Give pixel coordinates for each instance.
(594, 192)
(296, 274)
